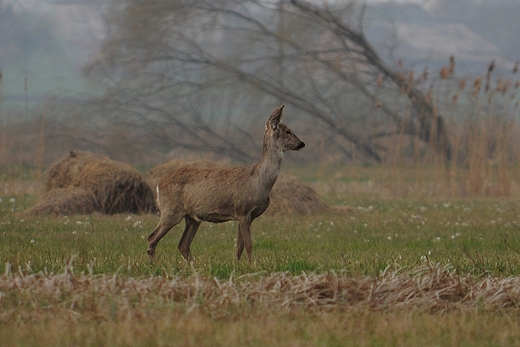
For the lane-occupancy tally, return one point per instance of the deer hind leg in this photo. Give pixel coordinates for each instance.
(166, 222)
(244, 237)
(240, 245)
(187, 237)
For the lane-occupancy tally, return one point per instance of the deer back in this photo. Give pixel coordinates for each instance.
(212, 194)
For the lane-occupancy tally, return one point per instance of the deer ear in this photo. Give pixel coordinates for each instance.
(275, 118)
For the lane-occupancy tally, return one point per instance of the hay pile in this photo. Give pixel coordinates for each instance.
(64, 202)
(85, 182)
(287, 197)
(292, 197)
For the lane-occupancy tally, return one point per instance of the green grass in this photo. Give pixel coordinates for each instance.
(479, 237)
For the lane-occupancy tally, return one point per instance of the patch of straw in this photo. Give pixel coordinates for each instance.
(428, 288)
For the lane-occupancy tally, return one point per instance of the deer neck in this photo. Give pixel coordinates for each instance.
(268, 168)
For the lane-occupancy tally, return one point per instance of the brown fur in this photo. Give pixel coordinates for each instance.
(219, 195)
(288, 196)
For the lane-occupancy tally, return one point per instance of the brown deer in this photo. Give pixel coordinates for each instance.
(219, 195)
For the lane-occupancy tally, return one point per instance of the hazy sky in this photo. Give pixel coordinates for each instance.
(78, 29)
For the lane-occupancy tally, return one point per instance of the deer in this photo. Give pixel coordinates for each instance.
(219, 195)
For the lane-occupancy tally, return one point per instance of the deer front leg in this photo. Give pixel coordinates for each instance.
(244, 229)
(240, 239)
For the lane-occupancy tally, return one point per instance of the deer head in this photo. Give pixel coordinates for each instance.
(278, 136)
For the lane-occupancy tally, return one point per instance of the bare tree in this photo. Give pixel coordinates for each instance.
(181, 64)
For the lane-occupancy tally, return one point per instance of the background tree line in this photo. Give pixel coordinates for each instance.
(202, 75)
(191, 79)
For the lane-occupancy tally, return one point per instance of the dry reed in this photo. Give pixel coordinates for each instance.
(482, 134)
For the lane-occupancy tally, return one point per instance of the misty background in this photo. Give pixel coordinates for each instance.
(100, 75)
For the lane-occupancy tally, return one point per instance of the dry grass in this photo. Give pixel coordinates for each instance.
(429, 288)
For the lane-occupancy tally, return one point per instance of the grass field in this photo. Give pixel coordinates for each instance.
(394, 271)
